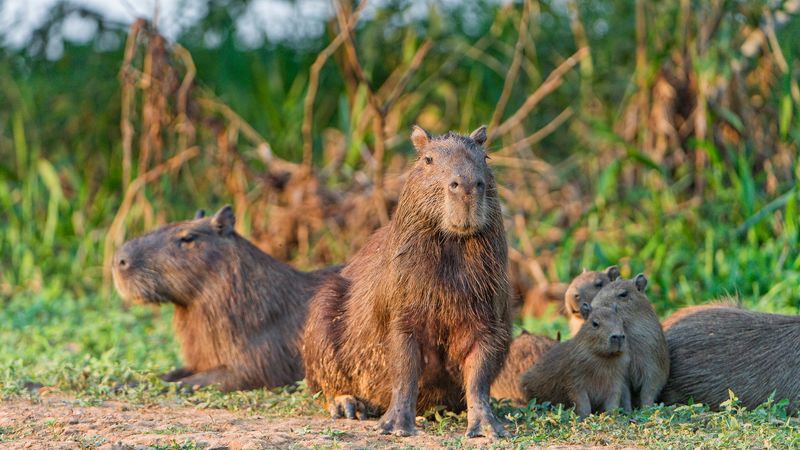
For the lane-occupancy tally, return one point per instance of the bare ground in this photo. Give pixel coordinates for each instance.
(61, 422)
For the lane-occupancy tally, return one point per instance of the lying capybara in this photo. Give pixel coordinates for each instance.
(525, 350)
(678, 315)
(713, 349)
(582, 289)
(239, 313)
(649, 358)
(587, 371)
(420, 315)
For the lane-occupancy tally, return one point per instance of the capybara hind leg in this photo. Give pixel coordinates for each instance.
(177, 374)
(399, 417)
(346, 406)
(220, 377)
(478, 372)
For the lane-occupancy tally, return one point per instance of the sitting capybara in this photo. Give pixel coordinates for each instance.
(239, 313)
(420, 315)
(649, 358)
(582, 289)
(713, 349)
(525, 350)
(587, 371)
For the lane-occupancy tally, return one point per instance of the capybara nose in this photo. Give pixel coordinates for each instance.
(462, 186)
(122, 259)
(617, 340)
(585, 310)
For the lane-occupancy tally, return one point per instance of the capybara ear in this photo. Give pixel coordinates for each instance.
(224, 220)
(612, 272)
(419, 138)
(479, 135)
(200, 214)
(641, 282)
(586, 309)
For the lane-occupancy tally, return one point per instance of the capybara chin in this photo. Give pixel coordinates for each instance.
(238, 312)
(420, 315)
(525, 350)
(581, 290)
(649, 358)
(716, 348)
(587, 371)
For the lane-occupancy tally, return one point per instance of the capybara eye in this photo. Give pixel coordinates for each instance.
(187, 238)
(623, 294)
(428, 160)
(598, 283)
(595, 324)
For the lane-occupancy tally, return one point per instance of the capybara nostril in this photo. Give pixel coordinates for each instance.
(617, 339)
(454, 186)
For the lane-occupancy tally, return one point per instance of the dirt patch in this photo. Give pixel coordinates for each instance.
(65, 423)
(56, 423)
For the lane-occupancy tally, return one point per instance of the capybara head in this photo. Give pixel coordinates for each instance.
(450, 188)
(603, 331)
(172, 263)
(622, 292)
(584, 287)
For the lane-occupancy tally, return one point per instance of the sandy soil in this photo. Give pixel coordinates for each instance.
(55, 423)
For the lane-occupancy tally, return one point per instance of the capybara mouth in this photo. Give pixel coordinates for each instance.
(135, 290)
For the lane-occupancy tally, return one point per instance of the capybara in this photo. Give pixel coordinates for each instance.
(547, 300)
(713, 349)
(587, 371)
(582, 289)
(525, 350)
(649, 358)
(420, 315)
(239, 313)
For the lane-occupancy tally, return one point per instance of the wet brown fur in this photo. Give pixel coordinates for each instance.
(649, 357)
(525, 350)
(420, 315)
(587, 371)
(714, 348)
(238, 313)
(582, 289)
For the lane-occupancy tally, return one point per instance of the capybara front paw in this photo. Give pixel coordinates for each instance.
(397, 423)
(346, 406)
(485, 424)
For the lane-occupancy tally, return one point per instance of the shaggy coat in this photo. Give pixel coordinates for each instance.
(714, 348)
(525, 350)
(238, 314)
(420, 315)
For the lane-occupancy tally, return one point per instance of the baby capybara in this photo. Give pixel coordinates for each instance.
(525, 350)
(581, 290)
(587, 371)
(713, 349)
(420, 315)
(649, 358)
(239, 313)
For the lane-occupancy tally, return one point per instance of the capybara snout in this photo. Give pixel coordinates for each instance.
(616, 342)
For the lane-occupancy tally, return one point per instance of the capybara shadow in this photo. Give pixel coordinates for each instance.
(714, 348)
(649, 357)
(582, 289)
(525, 350)
(587, 371)
(420, 315)
(239, 313)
